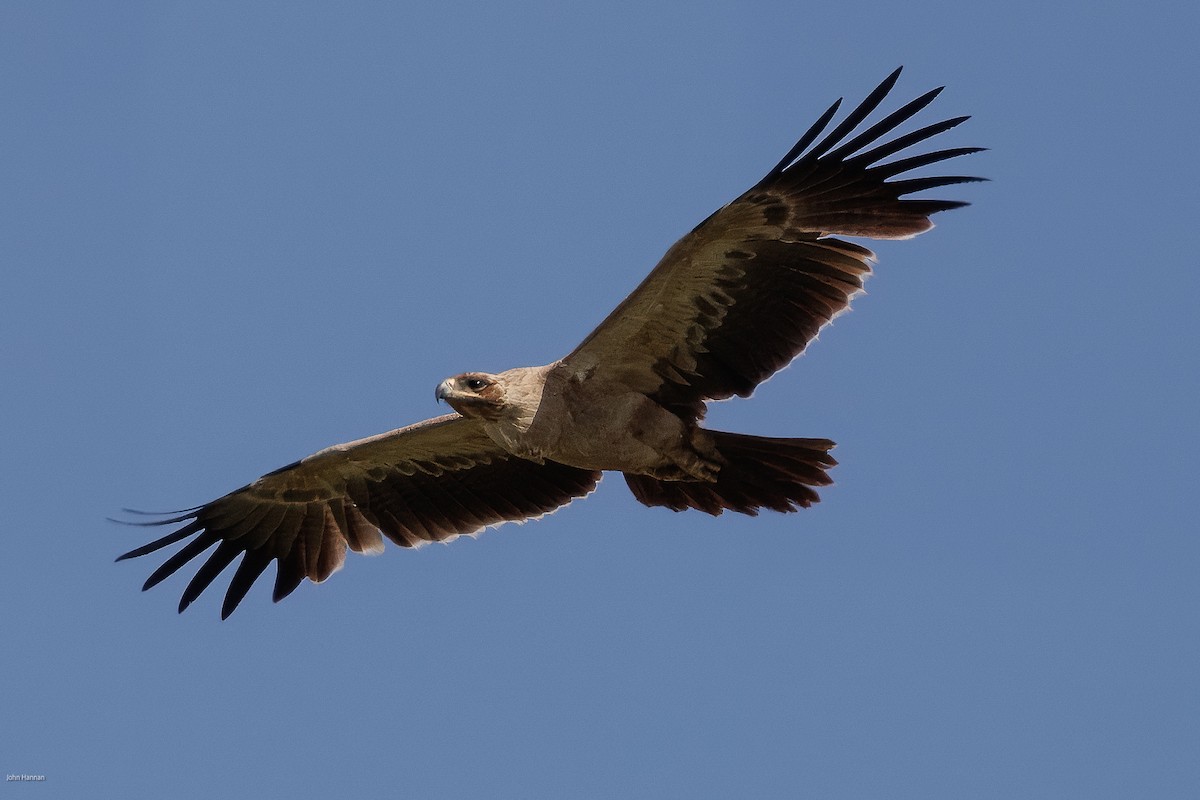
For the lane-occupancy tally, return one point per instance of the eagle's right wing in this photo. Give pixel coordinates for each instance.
(742, 295)
(428, 482)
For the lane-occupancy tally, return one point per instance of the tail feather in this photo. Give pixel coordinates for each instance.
(759, 472)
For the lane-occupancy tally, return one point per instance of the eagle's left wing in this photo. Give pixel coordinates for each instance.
(741, 295)
(428, 482)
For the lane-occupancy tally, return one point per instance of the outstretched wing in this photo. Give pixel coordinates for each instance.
(741, 295)
(429, 482)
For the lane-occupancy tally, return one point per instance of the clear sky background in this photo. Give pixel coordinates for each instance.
(232, 234)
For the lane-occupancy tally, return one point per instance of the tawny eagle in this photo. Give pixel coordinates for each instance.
(730, 303)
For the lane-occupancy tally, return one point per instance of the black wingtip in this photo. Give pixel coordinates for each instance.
(169, 517)
(808, 138)
(145, 549)
(856, 116)
(139, 512)
(171, 538)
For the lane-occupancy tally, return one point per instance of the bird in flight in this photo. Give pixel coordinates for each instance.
(731, 303)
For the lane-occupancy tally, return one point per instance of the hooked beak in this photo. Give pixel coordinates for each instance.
(443, 390)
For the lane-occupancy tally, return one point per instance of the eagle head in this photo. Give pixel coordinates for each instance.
(473, 394)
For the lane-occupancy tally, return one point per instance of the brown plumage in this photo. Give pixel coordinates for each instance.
(732, 302)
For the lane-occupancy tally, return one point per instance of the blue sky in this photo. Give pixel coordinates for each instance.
(236, 233)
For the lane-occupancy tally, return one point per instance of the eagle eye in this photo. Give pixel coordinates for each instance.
(475, 384)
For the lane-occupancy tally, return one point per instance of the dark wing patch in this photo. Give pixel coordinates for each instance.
(430, 482)
(749, 328)
(742, 294)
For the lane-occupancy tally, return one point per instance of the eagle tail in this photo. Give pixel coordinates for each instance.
(759, 472)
